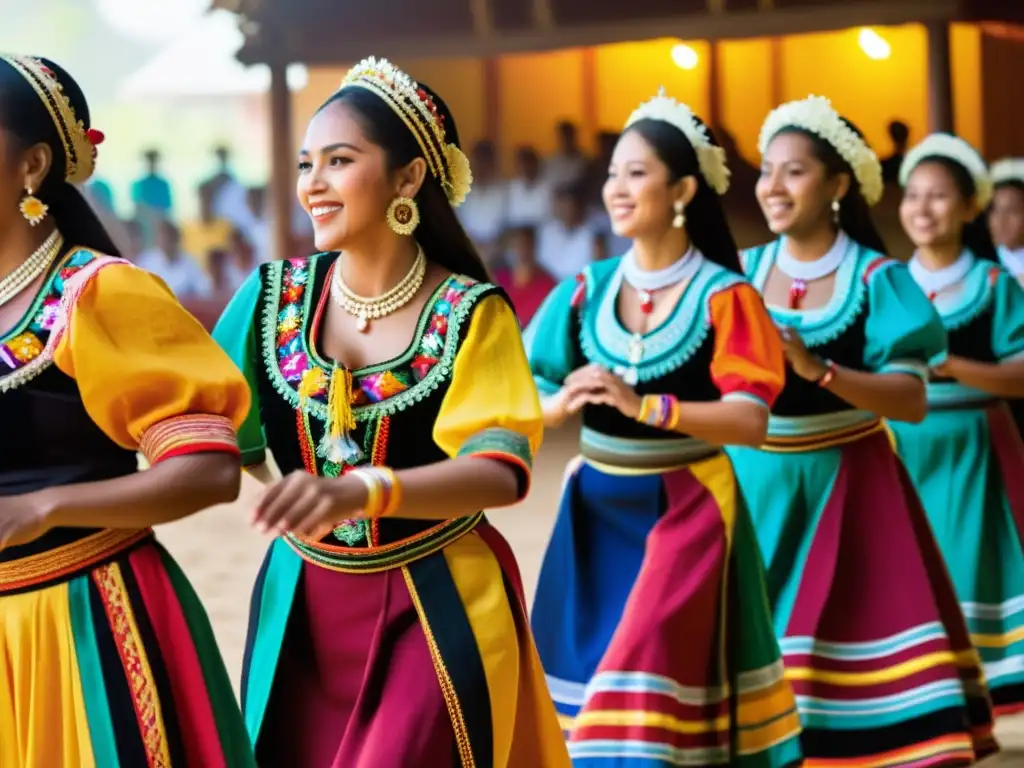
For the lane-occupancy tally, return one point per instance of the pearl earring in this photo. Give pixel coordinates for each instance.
(835, 210)
(680, 218)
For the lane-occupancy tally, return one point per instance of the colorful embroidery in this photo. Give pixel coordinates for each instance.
(382, 389)
(27, 340)
(500, 443)
(139, 674)
(191, 433)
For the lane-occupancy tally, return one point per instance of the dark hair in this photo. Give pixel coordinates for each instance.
(27, 120)
(976, 235)
(440, 234)
(705, 216)
(854, 212)
(575, 191)
(899, 131)
(1017, 184)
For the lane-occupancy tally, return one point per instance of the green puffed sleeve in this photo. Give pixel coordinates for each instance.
(549, 339)
(1007, 316)
(237, 334)
(903, 332)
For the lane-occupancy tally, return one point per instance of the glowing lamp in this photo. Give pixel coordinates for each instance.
(874, 45)
(684, 57)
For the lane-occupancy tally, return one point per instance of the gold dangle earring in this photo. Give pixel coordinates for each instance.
(680, 218)
(32, 208)
(835, 211)
(403, 216)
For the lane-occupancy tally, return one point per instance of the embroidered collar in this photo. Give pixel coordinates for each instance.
(1013, 260)
(817, 269)
(936, 281)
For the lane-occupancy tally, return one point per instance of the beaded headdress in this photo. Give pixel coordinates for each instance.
(960, 152)
(816, 115)
(1009, 169)
(710, 158)
(79, 143)
(414, 105)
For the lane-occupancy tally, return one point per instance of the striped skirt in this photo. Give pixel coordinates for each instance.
(968, 466)
(874, 642)
(107, 660)
(653, 627)
(422, 661)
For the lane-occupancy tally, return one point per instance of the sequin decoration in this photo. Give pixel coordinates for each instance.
(28, 341)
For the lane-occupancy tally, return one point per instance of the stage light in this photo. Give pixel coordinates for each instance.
(684, 57)
(874, 45)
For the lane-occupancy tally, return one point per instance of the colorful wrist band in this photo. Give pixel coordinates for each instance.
(830, 373)
(384, 493)
(659, 411)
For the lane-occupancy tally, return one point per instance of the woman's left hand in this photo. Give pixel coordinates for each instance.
(308, 505)
(607, 389)
(22, 519)
(947, 368)
(804, 364)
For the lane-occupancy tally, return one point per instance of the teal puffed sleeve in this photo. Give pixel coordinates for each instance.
(549, 341)
(237, 334)
(903, 332)
(1007, 316)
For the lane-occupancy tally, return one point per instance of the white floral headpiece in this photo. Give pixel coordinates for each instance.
(816, 115)
(1006, 170)
(710, 158)
(960, 152)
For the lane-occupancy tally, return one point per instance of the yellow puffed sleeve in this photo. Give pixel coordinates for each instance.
(492, 408)
(149, 374)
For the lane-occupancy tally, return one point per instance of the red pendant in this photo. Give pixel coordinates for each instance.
(646, 302)
(797, 291)
(932, 295)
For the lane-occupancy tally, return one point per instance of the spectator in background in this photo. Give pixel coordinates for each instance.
(209, 232)
(524, 282)
(597, 214)
(151, 195)
(259, 230)
(174, 266)
(484, 213)
(134, 243)
(230, 266)
(899, 133)
(568, 243)
(529, 195)
(228, 196)
(569, 164)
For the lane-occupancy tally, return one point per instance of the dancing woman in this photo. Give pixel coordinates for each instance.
(874, 643)
(388, 625)
(107, 656)
(1006, 214)
(966, 456)
(650, 613)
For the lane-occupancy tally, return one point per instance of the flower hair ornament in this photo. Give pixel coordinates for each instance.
(1006, 171)
(710, 158)
(960, 152)
(816, 115)
(414, 105)
(79, 143)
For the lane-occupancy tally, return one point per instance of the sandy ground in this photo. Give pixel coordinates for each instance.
(222, 554)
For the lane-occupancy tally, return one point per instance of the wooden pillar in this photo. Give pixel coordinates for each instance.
(282, 191)
(590, 94)
(940, 77)
(714, 85)
(775, 64)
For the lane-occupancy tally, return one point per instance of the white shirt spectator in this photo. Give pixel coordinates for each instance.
(564, 252)
(563, 170)
(183, 275)
(484, 213)
(529, 205)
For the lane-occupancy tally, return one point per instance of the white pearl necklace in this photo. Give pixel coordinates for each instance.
(643, 280)
(366, 309)
(29, 270)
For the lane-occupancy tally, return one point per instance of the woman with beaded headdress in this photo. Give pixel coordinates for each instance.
(388, 625)
(966, 456)
(108, 658)
(650, 614)
(873, 642)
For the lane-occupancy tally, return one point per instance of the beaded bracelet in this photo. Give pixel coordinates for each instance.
(830, 373)
(660, 411)
(384, 492)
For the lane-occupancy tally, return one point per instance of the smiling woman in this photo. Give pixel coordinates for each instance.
(389, 380)
(878, 681)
